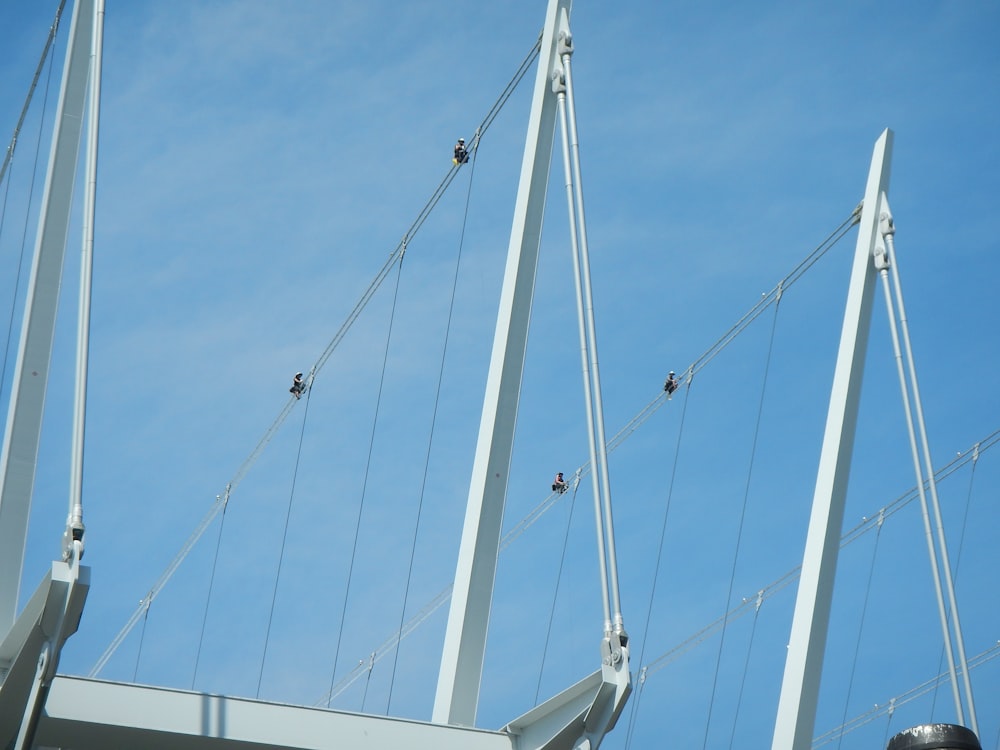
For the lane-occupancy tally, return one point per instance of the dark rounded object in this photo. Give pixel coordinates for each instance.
(935, 737)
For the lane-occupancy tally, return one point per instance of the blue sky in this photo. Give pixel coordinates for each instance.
(258, 164)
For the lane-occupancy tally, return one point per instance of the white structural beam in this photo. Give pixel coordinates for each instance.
(580, 716)
(19, 455)
(49, 618)
(85, 714)
(459, 679)
(807, 643)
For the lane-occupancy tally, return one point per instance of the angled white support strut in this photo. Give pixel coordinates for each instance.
(19, 456)
(74, 521)
(562, 84)
(796, 714)
(886, 261)
(579, 717)
(459, 679)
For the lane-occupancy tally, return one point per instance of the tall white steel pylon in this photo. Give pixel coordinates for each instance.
(602, 695)
(460, 675)
(873, 257)
(804, 663)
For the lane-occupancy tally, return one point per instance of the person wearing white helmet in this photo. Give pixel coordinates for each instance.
(671, 385)
(461, 153)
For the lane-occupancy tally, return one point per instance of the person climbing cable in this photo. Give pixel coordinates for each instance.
(671, 385)
(461, 154)
(298, 386)
(559, 484)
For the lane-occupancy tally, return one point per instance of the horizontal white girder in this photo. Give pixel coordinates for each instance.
(85, 714)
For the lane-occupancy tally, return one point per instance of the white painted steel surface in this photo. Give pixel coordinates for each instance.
(74, 520)
(457, 695)
(27, 399)
(85, 714)
(804, 662)
(940, 568)
(52, 614)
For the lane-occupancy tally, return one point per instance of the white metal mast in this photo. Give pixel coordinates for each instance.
(465, 640)
(804, 662)
(468, 619)
(874, 256)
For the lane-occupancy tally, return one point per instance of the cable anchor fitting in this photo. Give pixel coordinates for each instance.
(856, 213)
(558, 81)
(880, 256)
(611, 649)
(565, 44)
(885, 224)
(72, 540)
